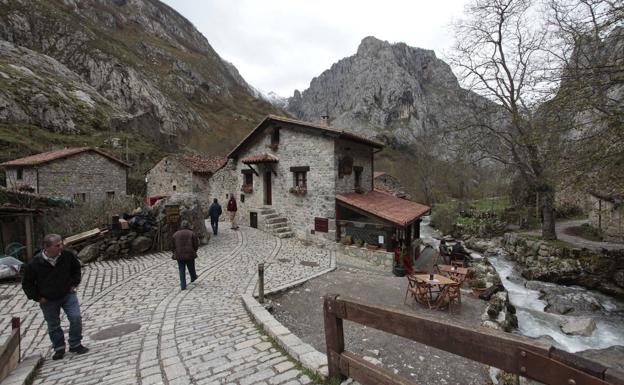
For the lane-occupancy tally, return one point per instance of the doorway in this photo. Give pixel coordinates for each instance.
(268, 200)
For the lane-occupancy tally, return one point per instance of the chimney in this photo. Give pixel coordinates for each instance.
(325, 120)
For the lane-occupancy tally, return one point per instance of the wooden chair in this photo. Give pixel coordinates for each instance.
(449, 295)
(421, 292)
(459, 275)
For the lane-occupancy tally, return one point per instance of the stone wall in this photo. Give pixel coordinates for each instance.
(29, 178)
(608, 217)
(544, 261)
(362, 156)
(297, 147)
(169, 176)
(86, 173)
(375, 257)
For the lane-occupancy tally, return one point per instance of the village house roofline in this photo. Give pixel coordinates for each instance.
(385, 206)
(610, 196)
(261, 158)
(197, 164)
(50, 156)
(319, 128)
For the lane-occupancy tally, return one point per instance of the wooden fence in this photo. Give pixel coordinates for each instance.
(10, 350)
(513, 354)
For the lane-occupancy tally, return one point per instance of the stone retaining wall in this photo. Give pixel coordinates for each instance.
(374, 257)
(545, 261)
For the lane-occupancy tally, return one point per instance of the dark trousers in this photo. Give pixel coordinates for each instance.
(182, 266)
(214, 222)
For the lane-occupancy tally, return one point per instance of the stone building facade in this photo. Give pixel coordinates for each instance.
(82, 174)
(184, 174)
(295, 168)
(606, 212)
(387, 183)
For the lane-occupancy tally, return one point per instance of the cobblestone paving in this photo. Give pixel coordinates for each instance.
(202, 335)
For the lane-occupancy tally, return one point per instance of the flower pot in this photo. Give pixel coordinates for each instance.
(476, 291)
(399, 270)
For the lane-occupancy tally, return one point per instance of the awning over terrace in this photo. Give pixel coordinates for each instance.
(386, 207)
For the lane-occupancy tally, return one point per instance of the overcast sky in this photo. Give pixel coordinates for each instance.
(280, 45)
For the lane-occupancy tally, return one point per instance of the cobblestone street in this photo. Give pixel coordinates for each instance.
(202, 335)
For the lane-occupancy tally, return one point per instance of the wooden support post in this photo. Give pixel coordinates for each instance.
(28, 227)
(261, 282)
(15, 324)
(334, 336)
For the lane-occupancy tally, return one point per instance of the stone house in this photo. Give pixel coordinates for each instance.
(606, 212)
(79, 173)
(314, 182)
(183, 174)
(382, 181)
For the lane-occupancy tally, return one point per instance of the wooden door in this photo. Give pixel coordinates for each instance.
(267, 188)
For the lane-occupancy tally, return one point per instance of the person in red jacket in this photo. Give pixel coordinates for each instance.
(186, 244)
(231, 208)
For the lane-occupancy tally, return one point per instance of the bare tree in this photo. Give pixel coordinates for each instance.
(500, 55)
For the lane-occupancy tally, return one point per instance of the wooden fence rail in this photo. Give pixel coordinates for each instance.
(10, 351)
(511, 353)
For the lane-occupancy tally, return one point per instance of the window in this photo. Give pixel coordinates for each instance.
(19, 173)
(248, 179)
(80, 197)
(247, 186)
(174, 187)
(275, 138)
(110, 195)
(358, 176)
(300, 176)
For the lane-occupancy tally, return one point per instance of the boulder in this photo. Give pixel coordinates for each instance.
(89, 253)
(190, 209)
(578, 326)
(141, 244)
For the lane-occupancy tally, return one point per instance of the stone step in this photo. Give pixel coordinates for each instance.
(271, 226)
(271, 216)
(288, 234)
(266, 211)
(275, 220)
(278, 230)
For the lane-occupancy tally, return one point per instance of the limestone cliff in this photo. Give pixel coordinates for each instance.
(133, 66)
(388, 91)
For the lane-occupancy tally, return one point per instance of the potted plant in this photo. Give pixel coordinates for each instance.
(247, 188)
(358, 242)
(399, 269)
(478, 286)
(298, 190)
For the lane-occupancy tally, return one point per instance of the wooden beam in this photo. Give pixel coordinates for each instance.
(252, 169)
(334, 336)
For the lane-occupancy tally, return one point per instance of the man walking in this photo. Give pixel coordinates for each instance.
(51, 279)
(186, 244)
(214, 212)
(231, 208)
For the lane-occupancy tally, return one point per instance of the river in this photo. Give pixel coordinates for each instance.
(533, 321)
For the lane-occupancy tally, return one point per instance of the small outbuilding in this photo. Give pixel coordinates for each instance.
(606, 212)
(183, 174)
(79, 173)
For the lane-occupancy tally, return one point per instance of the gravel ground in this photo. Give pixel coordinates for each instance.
(301, 311)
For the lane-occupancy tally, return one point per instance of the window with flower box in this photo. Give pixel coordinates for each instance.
(300, 180)
(247, 186)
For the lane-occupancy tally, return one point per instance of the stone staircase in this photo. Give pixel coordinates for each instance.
(275, 223)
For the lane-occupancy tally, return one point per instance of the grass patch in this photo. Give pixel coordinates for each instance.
(468, 221)
(557, 243)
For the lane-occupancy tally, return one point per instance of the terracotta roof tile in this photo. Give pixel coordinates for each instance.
(385, 206)
(378, 174)
(50, 156)
(202, 165)
(261, 158)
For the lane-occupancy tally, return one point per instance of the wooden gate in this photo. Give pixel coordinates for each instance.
(513, 354)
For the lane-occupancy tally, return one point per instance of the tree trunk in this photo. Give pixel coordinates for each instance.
(548, 214)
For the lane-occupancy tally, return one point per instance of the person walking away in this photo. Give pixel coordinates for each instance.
(214, 212)
(51, 279)
(186, 244)
(231, 208)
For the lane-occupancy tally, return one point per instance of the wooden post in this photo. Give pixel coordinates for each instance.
(15, 324)
(334, 336)
(28, 227)
(261, 282)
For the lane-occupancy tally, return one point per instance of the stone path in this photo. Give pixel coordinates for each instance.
(578, 241)
(202, 335)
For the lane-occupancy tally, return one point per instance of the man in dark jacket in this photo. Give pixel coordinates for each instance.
(51, 279)
(214, 212)
(186, 244)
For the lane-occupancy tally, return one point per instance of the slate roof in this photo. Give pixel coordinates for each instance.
(202, 165)
(385, 206)
(261, 158)
(339, 133)
(46, 157)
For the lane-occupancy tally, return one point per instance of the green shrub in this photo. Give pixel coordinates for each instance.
(444, 217)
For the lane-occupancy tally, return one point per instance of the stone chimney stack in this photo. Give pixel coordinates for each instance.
(325, 120)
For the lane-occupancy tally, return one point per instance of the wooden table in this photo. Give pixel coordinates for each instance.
(438, 281)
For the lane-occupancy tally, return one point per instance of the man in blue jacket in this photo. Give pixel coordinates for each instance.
(51, 279)
(214, 212)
